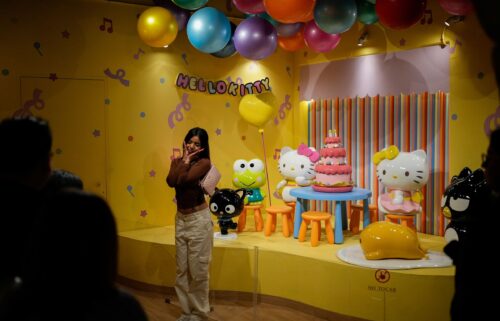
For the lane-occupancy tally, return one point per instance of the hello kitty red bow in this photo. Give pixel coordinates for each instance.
(306, 151)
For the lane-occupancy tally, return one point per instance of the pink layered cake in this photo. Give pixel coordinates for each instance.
(332, 172)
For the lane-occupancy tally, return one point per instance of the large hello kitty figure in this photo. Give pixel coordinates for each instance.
(403, 174)
(297, 169)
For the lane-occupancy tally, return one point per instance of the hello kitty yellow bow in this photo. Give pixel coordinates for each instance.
(390, 153)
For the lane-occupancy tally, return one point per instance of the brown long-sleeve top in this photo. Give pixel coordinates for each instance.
(185, 178)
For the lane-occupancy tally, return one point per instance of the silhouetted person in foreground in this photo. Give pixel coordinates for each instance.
(25, 145)
(72, 265)
(60, 179)
(474, 254)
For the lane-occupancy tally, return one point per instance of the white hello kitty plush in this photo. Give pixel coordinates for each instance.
(297, 169)
(403, 174)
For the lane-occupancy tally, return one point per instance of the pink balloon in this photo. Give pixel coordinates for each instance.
(250, 6)
(457, 7)
(318, 40)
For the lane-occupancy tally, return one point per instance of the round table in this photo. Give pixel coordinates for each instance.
(304, 194)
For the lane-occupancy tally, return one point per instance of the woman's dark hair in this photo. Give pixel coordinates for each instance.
(60, 179)
(203, 136)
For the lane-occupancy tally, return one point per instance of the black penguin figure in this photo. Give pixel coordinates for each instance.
(459, 200)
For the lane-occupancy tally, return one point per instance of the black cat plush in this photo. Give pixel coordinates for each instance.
(460, 199)
(225, 204)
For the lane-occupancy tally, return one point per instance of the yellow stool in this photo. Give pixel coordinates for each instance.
(286, 216)
(315, 219)
(257, 215)
(405, 220)
(356, 213)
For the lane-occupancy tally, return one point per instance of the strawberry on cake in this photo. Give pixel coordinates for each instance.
(332, 172)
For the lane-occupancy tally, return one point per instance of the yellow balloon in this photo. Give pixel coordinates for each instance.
(157, 27)
(258, 109)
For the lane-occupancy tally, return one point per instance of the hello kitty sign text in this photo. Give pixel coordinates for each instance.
(222, 87)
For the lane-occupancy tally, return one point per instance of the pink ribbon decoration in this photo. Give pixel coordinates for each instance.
(303, 149)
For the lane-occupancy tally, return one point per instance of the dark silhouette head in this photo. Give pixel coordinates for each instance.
(74, 244)
(60, 179)
(25, 144)
(203, 136)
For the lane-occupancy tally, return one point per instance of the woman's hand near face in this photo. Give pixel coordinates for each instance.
(187, 157)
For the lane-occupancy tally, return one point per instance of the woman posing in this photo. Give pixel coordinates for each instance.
(193, 226)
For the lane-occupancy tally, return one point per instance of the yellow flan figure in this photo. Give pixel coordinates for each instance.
(386, 240)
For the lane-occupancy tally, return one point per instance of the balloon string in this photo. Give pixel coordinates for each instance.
(261, 131)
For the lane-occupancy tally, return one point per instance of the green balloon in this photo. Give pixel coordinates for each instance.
(366, 12)
(190, 4)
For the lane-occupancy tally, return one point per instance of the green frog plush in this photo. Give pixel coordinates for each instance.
(251, 176)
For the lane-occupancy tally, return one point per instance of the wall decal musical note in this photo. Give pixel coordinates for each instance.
(139, 52)
(106, 21)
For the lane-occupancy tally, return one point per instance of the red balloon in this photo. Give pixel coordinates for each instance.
(457, 7)
(290, 11)
(399, 14)
(293, 43)
(249, 6)
(318, 40)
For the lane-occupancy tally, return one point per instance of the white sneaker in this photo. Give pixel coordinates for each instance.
(184, 317)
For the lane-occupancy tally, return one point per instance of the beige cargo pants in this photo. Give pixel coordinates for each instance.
(193, 244)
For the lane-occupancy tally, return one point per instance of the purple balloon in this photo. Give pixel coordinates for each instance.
(250, 6)
(255, 38)
(288, 29)
(181, 15)
(318, 40)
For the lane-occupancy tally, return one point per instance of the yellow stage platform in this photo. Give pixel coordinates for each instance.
(313, 277)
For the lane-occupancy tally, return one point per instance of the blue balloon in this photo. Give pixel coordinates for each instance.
(229, 49)
(208, 30)
(335, 16)
(265, 16)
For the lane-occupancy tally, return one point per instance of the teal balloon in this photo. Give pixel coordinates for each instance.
(264, 16)
(366, 12)
(335, 16)
(190, 4)
(208, 30)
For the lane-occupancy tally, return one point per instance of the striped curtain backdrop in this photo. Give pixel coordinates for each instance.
(369, 124)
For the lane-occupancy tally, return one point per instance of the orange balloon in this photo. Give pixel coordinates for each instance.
(309, 17)
(293, 43)
(290, 11)
(157, 27)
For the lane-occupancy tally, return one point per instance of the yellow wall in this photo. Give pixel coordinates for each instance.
(83, 99)
(93, 116)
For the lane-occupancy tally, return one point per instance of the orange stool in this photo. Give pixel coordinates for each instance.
(356, 213)
(315, 219)
(286, 216)
(257, 215)
(292, 205)
(406, 220)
